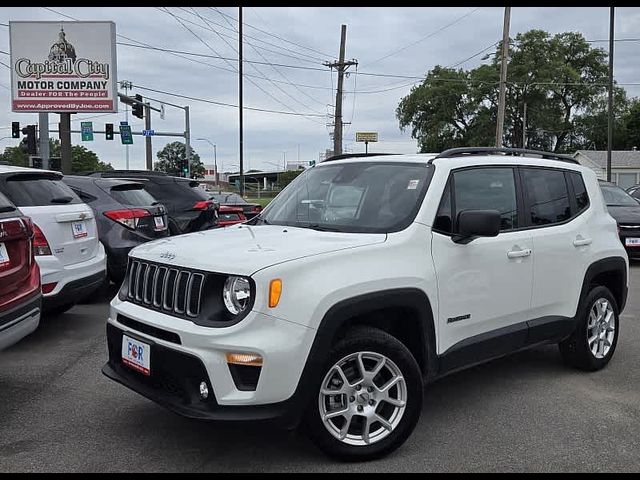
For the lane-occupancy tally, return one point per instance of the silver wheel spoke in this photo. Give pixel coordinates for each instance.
(366, 427)
(335, 413)
(390, 384)
(592, 339)
(379, 366)
(593, 320)
(394, 401)
(363, 372)
(345, 428)
(386, 425)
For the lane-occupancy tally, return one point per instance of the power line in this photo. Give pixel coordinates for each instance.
(458, 20)
(214, 51)
(474, 55)
(276, 36)
(278, 71)
(223, 104)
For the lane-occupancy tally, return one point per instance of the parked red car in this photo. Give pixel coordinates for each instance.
(20, 293)
(230, 216)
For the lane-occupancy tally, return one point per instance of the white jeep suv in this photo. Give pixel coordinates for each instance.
(365, 280)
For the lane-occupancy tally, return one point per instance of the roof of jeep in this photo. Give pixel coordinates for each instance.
(468, 157)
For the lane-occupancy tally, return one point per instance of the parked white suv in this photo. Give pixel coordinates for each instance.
(72, 261)
(363, 281)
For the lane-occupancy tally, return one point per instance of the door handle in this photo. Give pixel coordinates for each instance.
(582, 242)
(519, 253)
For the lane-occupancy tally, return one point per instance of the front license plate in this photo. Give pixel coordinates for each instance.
(4, 256)
(136, 355)
(79, 229)
(159, 222)
(632, 242)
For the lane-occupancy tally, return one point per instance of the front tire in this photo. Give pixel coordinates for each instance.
(594, 340)
(368, 398)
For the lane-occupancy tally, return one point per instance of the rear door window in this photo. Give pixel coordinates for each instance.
(547, 196)
(39, 190)
(5, 204)
(136, 196)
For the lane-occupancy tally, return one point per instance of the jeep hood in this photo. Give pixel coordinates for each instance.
(243, 250)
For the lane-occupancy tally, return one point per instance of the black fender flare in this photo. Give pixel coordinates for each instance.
(606, 265)
(340, 313)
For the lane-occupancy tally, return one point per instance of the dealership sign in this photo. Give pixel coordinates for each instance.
(63, 67)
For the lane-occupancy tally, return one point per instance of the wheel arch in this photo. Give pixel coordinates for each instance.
(610, 272)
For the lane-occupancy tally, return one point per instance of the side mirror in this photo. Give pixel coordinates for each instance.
(477, 223)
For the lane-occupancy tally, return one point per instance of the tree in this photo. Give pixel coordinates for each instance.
(285, 178)
(82, 159)
(173, 157)
(561, 78)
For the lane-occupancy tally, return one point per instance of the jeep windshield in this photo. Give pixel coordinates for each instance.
(357, 197)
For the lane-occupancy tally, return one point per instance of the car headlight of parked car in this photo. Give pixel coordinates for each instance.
(236, 294)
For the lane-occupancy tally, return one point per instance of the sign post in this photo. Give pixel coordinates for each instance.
(366, 137)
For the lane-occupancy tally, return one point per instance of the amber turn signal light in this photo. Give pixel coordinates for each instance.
(275, 290)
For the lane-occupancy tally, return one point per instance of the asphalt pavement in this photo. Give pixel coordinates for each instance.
(526, 412)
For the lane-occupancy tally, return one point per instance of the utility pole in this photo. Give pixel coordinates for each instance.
(341, 66)
(610, 106)
(147, 140)
(43, 123)
(240, 101)
(65, 143)
(187, 139)
(524, 126)
(503, 76)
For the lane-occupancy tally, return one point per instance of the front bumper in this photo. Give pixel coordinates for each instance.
(188, 354)
(20, 321)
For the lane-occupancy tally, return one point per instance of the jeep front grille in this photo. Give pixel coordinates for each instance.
(176, 291)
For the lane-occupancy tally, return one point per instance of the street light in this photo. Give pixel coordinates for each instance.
(215, 159)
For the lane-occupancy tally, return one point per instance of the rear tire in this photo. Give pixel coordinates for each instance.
(593, 342)
(375, 420)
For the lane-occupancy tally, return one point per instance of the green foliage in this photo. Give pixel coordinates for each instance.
(561, 78)
(172, 158)
(82, 159)
(287, 177)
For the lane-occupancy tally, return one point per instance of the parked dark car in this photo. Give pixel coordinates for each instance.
(189, 207)
(20, 295)
(230, 216)
(231, 199)
(127, 215)
(626, 211)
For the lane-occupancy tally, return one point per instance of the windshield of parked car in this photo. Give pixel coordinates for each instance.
(617, 197)
(367, 197)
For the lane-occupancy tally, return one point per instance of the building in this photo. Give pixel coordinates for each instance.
(625, 165)
(210, 173)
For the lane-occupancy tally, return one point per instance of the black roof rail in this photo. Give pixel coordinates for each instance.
(522, 152)
(354, 155)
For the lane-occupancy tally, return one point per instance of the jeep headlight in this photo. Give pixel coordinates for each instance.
(236, 294)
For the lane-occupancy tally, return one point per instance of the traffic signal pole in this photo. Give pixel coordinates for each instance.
(147, 140)
(65, 143)
(43, 124)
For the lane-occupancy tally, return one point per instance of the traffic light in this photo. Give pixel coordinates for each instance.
(31, 140)
(15, 129)
(137, 109)
(108, 131)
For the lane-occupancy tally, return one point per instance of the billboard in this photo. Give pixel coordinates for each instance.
(366, 137)
(63, 67)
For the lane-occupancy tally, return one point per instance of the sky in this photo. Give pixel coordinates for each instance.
(385, 41)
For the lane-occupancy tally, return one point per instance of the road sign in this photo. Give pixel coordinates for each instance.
(125, 134)
(366, 137)
(86, 128)
(148, 133)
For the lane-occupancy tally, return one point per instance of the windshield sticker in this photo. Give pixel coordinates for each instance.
(413, 184)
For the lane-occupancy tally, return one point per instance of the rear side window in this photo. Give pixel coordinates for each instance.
(547, 196)
(39, 191)
(133, 196)
(579, 190)
(85, 197)
(5, 204)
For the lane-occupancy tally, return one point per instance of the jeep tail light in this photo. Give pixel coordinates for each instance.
(128, 217)
(40, 244)
(202, 205)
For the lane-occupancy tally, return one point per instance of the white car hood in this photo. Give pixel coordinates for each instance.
(243, 250)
